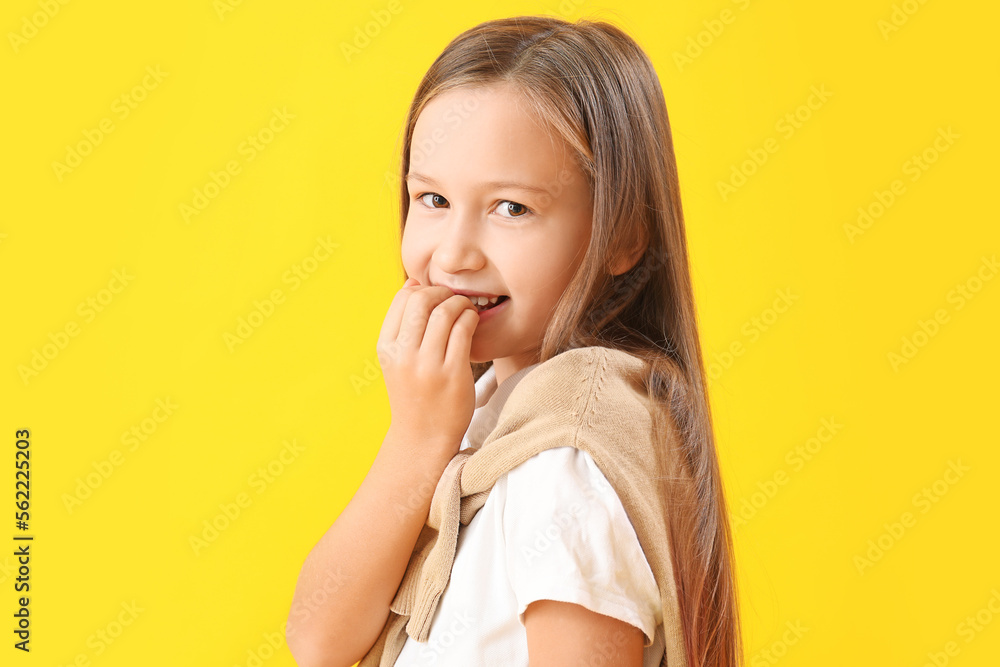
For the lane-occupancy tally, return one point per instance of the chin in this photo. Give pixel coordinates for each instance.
(482, 351)
(479, 356)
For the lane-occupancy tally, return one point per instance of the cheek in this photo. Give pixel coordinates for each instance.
(411, 251)
(537, 270)
(553, 273)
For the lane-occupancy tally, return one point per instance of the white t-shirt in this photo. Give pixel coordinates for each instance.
(552, 528)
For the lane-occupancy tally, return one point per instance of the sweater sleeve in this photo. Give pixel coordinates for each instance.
(568, 538)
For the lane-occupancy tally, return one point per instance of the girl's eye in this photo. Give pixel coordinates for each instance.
(521, 209)
(431, 194)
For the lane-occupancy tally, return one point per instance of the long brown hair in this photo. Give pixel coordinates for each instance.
(597, 89)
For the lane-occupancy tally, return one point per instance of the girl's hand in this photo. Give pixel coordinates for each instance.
(424, 350)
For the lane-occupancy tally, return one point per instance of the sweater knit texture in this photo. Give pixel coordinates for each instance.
(592, 398)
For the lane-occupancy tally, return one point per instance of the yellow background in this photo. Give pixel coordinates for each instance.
(309, 373)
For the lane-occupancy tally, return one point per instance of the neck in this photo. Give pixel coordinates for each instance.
(507, 366)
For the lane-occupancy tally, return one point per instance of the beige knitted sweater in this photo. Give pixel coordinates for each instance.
(592, 398)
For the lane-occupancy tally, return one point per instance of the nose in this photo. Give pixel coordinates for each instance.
(459, 248)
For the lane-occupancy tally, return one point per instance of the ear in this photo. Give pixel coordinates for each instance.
(623, 263)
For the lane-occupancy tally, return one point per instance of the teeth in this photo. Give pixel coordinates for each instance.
(482, 302)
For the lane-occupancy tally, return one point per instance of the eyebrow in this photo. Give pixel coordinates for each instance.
(497, 185)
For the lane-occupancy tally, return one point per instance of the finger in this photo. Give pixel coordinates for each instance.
(390, 326)
(439, 326)
(416, 312)
(460, 341)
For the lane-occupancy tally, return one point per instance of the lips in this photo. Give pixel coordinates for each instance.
(483, 301)
(491, 314)
(483, 304)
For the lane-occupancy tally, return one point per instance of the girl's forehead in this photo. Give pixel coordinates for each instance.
(492, 107)
(471, 128)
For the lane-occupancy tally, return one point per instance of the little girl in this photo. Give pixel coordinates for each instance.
(548, 488)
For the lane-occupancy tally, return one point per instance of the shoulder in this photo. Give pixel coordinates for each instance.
(561, 495)
(563, 474)
(555, 493)
(594, 398)
(574, 381)
(568, 537)
(584, 363)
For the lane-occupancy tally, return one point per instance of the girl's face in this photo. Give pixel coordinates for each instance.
(497, 206)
